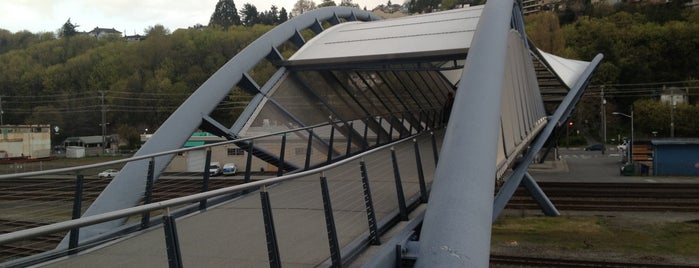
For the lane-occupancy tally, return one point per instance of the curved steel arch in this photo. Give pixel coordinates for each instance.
(126, 189)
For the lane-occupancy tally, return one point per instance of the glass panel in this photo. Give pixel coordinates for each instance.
(333, 93)
(359, 90)
(298, 101)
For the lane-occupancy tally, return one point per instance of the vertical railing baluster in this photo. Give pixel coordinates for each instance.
(248, 162)
(308, 150)
(420, 172)
(275, 260)
(349, 139)
(399, 187)
(369, 204)
(172, 243)
(365, 144)
(280, 170)
(330, 224)
(330, 144)
(381, 130)
(435, 153)
(148, 195)
(205, 178)
(77, 210)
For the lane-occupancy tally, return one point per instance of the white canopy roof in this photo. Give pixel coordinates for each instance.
(569, 71)
(432, 34)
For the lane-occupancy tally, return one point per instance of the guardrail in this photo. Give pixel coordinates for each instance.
(321, 164)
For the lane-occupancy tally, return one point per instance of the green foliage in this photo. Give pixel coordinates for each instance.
(68, 29)
(57, 81)
(652, 115)
(327, 3)
(225, 15)
(249, 15)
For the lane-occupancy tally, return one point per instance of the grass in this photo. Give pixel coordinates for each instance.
(599, 234)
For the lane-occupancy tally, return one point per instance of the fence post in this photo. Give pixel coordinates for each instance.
(205, 178)
(378, 134)
(172, 243)
(365, 144)
(399, 187)
(308, 149)
(420, 173)
(349, 139)
(369, 204)
(77, 209)
(330, 144)
(275, 260)
(148, 195)
(280, 168)
(434, 148)
(330, 224)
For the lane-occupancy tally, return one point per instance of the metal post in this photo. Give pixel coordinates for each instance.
(280, 169)
(365, 144)
(172, 243)
(205, 178)
(539, 196)
(420, 173)
(308, 149)
(248, 163)
(435, 153)
(380, 130)
(349, 140)
(604, 123)
(275, 260)
(104, 119)
(399, 187)
(148, 194)
(1, 113)
(77, 209)
(369, 204)
(330, 224)
(463, 190)
(330, 144)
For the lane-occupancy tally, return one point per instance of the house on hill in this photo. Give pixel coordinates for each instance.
(102, 32)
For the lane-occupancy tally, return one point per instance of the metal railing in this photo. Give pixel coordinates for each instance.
(321, 164)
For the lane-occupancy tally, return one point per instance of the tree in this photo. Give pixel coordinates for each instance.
(225, 15)
(302, 6)
(158, 29)
(68, 29)
(283, 15)
(249, 15)
(327, 3)
(348, 3)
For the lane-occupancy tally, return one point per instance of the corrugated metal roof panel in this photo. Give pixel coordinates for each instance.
(433, 34)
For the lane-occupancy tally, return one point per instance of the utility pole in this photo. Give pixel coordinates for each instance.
(104, 118)
(1, 113)
(604, 122)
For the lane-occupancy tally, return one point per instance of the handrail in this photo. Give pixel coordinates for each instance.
(89, 220)
(169, 152)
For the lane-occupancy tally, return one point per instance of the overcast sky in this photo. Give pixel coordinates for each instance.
(128, 16)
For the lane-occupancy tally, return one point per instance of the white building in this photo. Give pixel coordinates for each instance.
(25, 141)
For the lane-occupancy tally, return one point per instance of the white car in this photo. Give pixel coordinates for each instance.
(109, 173)
(215, 169)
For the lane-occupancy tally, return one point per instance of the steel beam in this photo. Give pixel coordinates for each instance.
(457, 226)
(176, 130)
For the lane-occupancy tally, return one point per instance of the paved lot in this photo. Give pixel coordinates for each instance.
(577, 165)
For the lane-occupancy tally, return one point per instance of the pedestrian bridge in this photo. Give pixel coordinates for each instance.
(364, 126)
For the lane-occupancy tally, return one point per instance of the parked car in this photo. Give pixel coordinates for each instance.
(109, 173)
(229, 169)
(594, 147)
(215, 169)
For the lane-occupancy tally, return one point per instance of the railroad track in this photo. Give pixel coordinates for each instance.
(639, 197)
(521, 261)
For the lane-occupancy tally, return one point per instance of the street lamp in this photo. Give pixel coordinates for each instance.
(630, 145)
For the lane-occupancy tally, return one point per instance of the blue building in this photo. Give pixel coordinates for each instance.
(676, 157)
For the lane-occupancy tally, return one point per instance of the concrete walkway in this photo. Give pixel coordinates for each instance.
(232, 234)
